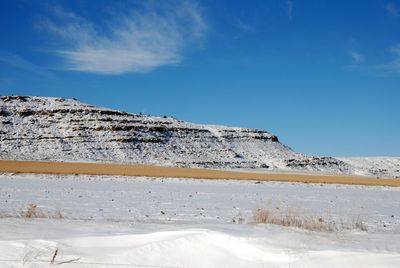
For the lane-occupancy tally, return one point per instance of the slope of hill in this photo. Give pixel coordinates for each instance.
(376, 166)
(44, 128)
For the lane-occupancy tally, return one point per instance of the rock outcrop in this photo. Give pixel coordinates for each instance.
(43, 128)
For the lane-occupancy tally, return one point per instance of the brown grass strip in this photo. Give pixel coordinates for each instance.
(42, 167)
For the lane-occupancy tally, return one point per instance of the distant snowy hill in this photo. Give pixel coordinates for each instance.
(374, 166)
(43, 128)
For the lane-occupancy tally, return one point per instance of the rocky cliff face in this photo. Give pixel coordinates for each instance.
(42, 128)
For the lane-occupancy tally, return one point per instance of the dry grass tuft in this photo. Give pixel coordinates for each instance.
(32, 211)
(292, 219)
(262, 216)
(238, 219)
(359, 224)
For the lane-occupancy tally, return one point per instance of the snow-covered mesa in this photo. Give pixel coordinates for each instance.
(44, 128)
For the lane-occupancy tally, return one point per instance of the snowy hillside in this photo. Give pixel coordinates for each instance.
(43, 128)
(376, 166)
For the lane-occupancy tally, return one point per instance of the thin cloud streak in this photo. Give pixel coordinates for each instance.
(394, 65)
(392, 9)
(356, 57)
(243, 26)
(138, 41)
(289, 5)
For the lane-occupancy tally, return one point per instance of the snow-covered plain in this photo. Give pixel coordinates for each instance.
(147, 222)
(89, 244)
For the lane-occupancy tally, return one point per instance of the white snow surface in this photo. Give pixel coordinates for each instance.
(88, 244)
(143, 222)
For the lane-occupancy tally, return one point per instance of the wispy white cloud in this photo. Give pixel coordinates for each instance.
(392, 9)
(356, 57)
(396, 50)
(289, 6)
(243, 26)
(394, 65)
(138, 40)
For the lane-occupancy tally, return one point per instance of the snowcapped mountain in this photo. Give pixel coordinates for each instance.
(44, 128)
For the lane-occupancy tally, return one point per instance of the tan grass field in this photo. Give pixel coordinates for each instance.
(42, 167)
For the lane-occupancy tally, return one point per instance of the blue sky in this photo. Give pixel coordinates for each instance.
(322, 75)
